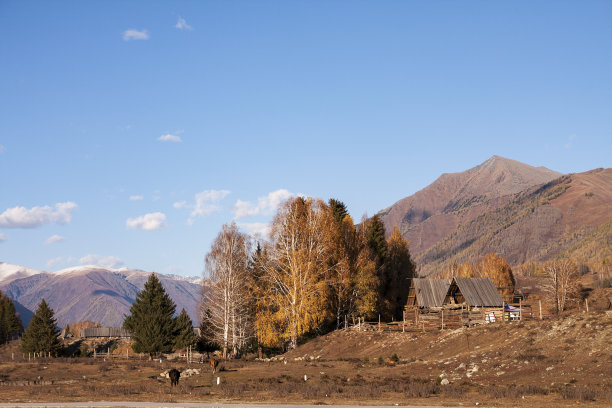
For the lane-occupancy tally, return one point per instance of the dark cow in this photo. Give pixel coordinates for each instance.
(174, 375)
(214, 363)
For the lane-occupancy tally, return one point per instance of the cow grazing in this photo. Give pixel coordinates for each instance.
(214, 363)
(174, 375)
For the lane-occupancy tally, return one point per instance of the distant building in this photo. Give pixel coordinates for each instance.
(104, 332)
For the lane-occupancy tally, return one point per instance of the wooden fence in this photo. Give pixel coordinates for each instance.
(453, 318)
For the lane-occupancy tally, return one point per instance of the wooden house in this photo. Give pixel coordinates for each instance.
(473, 292)
(427, 293)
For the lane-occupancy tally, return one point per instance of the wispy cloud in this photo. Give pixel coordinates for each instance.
(21, 217)
(570, 141)
(168, 137)
(256, 229)
(181, 24)
(105, 261)
(206, 203)
(3, 237)
(1, 148)
(52, 263)
(90, 259)
(266, 205)
(54, 239)
(147, 222)
(133, 34)
(136, 198)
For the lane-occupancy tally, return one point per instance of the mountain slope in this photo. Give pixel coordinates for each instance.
(457, 198)
(10, 272)
(565, 216)
(96, 293)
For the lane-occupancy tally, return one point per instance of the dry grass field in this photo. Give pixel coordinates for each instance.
(557, 362)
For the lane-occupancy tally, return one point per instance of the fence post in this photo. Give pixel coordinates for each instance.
(540, 302)
(586, 303)
(403, 321)
(520, 309)
(442, 314)
(379, 322)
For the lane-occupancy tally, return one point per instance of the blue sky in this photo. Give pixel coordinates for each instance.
(131, 131)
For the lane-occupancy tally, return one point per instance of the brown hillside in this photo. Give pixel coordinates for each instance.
(454, 199)
(560, 217)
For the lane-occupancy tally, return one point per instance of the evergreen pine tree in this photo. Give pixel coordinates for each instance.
(185, 336)
(151, 321)
(42, 333)
(375, 236)
(338, 210)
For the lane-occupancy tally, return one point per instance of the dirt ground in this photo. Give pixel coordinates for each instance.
(558, 362)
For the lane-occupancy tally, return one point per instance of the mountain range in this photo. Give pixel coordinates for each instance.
(91, 292)
(524, 213)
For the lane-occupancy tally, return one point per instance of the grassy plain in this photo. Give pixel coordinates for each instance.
(557, 362)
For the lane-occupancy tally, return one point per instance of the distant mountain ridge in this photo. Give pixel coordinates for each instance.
(521, 212)
(93, 292)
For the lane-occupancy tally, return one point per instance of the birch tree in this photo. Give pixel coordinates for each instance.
(227, 264)
(561, 282)
(295, 271)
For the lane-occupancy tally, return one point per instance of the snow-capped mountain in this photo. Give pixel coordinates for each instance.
(93, 292)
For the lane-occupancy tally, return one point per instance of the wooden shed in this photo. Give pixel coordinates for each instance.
(104, 332)
(427, 293)
(473, 292)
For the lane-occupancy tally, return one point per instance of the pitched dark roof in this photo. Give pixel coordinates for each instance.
(105, 332)
(479, 292)
(430, 292)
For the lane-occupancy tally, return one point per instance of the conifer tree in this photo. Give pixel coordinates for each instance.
(42, 333)
(10, 324)
(375, 235)
(400, 269)
(185, 336)
(338, 209)
(151, 321)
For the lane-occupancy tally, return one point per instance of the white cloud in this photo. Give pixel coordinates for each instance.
(180, 204)
(90, 259)
(206, 203)
(133, 34)
(257, 229)
(1, 148)
(21, 217)
(168, 137)
(3, 237)
(181, 24)
(105, 261)
(266, 205)
(148, 222)
(136, 198)
(52, 263)
(54, 239)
